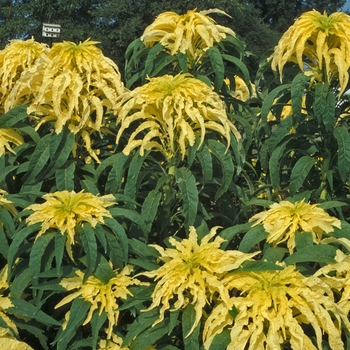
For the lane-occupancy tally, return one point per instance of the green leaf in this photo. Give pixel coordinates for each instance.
(20, 283)
(150, 208)
(88, 239)
(4, 246)
(116, 160)
(303, 239)
(239, 63)
(182, 59)
(115, 176)
(152, 53)
(317, 253)
(297, 93)
(343, 139)
(143, 322)
(188, 188)
(270, 101)
(96, 322)
(221, 340)
(229, 233)
(36, 331)
(150, 335)
(217, 65)
(191, 341)
(64, 177)
(120, 233)
(227, 167)
(61, 148)
(255, 235)
(142, 249)
(37, 252)
(17, 240)
(60, 241)
(103, 270)
(274, 254)
(7, 221)
(12, 117)
(78, 312)
(133, 175)
(23, 308)
(279, 133)
(38, 160)
(206, 162)
(259, 266)
(299, 173)
(274, 164)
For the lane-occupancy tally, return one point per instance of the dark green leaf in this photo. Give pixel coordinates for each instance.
(188, 188)
(343, 139)
(217, 65)
(317, 253)
(88, 239)
(255, 235)
(191, 341)
(221, 340)
(299, 173)
(65, 177)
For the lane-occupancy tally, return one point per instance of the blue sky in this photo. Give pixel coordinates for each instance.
(347, 5)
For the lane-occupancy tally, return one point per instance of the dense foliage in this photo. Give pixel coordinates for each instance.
(184, 204)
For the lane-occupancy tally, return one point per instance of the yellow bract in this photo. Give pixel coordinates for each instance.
(192, 273)
(74, 85)
(317, 43)
(272, 307)
(17, 56)
(171, 111)
(7, 137)
(191, 33)
(5, 303)
(283, 219)
(337, 276)
(65, 210)
(102, 296)
(4, 202)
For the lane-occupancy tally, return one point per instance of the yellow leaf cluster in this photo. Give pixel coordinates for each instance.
(7, 137)
(6, 203)
(102, 296)
(15, 58)
(190, 33)
(171, 111)
(64, 211)
(73, 85)
(272, 307)
(192, 273)
(317, 43)
(283, 219)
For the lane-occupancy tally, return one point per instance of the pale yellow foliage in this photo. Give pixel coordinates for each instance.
(241, 91)
(64, 211)
(5, 303)
(283, 219)
(192, 273)
(318, 43)
(8, 342)
(75, 85)
(287, 110)
(8, 137)
(15, 58)
(337, 276)
(102, 296)
(191, 33)
(272, 307)
(6, 203)
(172, 111)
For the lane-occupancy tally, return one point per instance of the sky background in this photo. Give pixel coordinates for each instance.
(347, 5)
